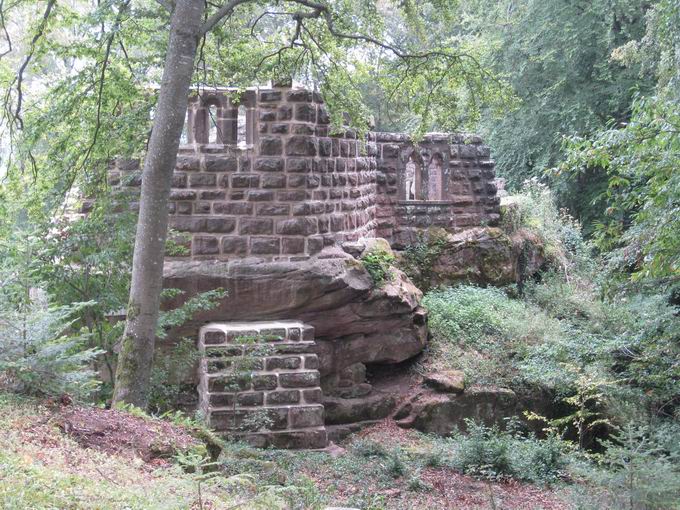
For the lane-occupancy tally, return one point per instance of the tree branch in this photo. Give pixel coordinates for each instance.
(4, 29)
(168, 5)
(15, 116)
(225, 11)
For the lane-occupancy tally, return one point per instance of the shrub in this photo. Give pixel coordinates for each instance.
(369, 448)
(166, 375)
(484, 452)
(396, 467)
(637, 471)
(490, 453)
(377, 262)
(418, 259)
(41, 355)
(484, 333)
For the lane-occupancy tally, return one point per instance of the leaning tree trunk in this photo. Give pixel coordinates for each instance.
(136, 355)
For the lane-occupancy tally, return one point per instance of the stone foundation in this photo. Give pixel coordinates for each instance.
(260, 380)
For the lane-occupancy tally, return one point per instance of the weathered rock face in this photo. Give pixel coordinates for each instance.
(354, 321)
(449, 381)
(483, 255)
(440, 413)
(440, 407)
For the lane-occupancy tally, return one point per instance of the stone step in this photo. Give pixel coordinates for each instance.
(284, 347)
(261, 381)
(227, 333)
(291, 439)
(278, 363)
(273, 418)
(265, 398)
(337, 433)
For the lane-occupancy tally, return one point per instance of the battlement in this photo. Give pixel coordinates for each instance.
(262, 175)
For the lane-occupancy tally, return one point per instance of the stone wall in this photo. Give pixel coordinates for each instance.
(445, 180)
(261, 380)
(262, 175)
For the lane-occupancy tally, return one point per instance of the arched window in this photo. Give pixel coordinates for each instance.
(213, 134)
(434, 177)
(410, 173)
(184, 139)
(412, 178)
(241, 126)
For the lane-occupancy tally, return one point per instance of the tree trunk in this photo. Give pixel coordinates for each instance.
(136, 355)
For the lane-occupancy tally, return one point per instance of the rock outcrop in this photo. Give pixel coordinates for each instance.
(442, 413)
(355, 321)
(482, 255)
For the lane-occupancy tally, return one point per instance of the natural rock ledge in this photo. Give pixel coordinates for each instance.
(355, 322)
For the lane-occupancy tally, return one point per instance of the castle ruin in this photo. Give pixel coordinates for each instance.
(263, 183)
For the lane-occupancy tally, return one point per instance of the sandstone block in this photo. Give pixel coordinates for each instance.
(299, 379)
(234, 245)
(220, 164)
(283, 362)
(308, 416)
(255, 226)
(271, 145)
(449, 381)
(300, 145)
(221, 225)
(205, 245)
(269, 164)
(245, 181)
(265, 245)
(264, 382)
(297, 226)
(282, 397)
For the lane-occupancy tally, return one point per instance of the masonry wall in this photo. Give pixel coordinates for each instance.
(261, 175)
(465, 190)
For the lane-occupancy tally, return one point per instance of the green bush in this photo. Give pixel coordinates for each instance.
(369, 448)
(490, 453)
(535, 209)
(40, 353)
(636, 471)
(485, 333)
(377, 262)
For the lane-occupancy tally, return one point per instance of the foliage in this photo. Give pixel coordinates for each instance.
(41, 355)
(642, 223)
(177, 316)
(202, 469)
(479, 330)
(586, 407)
(43, 349)
(534, 208)
(168, 373)
(636, 470)
(564, 85)
(49, 470)
(377, 262)
(491, 453)
(417, 260)
(638, 160)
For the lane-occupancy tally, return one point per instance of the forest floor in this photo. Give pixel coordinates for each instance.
(55, 456)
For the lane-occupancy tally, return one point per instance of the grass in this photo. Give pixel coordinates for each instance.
(41, 468)
(389, 468)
